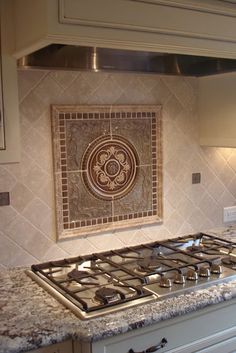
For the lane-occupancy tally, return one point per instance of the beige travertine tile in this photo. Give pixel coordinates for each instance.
(232, 161)
(27, 80)
(36, 212)
(216, 188)
(108, 92)
(232, 187)
(156, 233)
(132, 237)
(96, 80)
(174, 223)
(21, 196)
(226, 199)
(105, 242)
(172, 107)
(54, 252)
(12, 255)
(38, 100)
(64, 78)
(7, 215)
(80, 246)
(7, 180)
(36, 178)
(78, 92)
(24, 234)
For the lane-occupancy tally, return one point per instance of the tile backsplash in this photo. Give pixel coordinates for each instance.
(27, 226)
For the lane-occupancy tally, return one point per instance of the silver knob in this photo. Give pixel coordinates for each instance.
(204, 272)
(179, 278)
(192, 275)
(216, 269)
(165, 282)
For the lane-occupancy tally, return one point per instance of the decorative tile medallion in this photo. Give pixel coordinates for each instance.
(108, 167)
(110, 164)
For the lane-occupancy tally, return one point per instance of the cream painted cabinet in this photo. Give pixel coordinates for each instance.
(200, 27)
(209, 330)
(217, 110)
(64, 347)
(10, 144)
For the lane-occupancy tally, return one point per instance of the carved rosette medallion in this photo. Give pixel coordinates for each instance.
(110, 166)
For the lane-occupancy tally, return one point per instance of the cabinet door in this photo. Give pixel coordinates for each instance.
(217, 107)
(64, 347)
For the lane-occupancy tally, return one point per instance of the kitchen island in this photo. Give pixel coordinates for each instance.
(31, 318)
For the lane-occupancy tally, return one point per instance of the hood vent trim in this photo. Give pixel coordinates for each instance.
(70, 57)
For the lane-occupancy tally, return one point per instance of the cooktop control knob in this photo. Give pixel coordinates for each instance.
(192, 275)
(204, 272)
(165, 282)
(179, 278)
(216, 269)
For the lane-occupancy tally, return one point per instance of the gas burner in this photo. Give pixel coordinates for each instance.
(108, 295)
(83, 277)
(149, 264)
(77, 275)
(229, 261)
(202, 250)
(195, 248)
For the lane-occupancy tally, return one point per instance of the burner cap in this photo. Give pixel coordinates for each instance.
(149, 264)
(106, 295)
(77, 275)
(194, 248)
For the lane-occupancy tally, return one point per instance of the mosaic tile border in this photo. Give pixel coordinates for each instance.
(63, 113)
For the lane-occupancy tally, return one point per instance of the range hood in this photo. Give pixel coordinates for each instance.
(71, 57)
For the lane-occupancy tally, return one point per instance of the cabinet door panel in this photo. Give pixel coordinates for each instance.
(228, 346)
(64, 347)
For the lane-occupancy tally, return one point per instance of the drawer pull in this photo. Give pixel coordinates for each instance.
(152, 349)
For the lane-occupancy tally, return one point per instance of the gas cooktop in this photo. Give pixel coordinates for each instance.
(101, 283)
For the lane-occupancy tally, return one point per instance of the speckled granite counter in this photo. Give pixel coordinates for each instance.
(31, 318)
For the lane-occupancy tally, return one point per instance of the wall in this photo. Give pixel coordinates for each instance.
(27, 227)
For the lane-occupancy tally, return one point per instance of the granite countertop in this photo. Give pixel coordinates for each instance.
(31, 318)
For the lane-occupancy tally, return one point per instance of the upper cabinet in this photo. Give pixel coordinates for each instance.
(200, 27)
(217, 110)
(9, 114)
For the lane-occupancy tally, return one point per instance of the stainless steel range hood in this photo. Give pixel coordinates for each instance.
(69, 57)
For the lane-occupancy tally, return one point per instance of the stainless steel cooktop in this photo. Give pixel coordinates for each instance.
(101, 283)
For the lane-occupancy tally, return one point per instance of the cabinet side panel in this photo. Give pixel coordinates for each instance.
(10, 89)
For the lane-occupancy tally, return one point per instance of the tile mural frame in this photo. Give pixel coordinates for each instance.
(64, 115)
